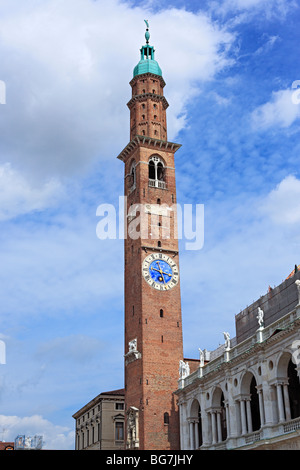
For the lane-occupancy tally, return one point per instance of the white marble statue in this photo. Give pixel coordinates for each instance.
(297, 282)
(260, 317)
(184, 369)
(201, 357)
(227, 340)
(132, 345)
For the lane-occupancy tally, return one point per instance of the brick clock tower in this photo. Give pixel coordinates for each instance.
(153, 325)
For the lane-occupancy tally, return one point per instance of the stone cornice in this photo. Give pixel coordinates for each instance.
(142, 140)
(145, 96)
(148, 74)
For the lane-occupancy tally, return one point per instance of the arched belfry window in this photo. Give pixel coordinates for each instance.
(157, 173)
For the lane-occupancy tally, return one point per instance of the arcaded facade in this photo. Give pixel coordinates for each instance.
(246, 394)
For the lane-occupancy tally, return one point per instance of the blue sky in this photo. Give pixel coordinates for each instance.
(230, 67)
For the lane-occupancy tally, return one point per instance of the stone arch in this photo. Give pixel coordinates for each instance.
(194, 408)
(219, 418)
(195, 424)
(288, 387)
(282, 365)
(250, 403)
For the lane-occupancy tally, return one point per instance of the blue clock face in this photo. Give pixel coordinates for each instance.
(160, 271)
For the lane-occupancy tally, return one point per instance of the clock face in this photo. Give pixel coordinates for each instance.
(160, 271)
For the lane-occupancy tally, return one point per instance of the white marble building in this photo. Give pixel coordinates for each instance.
(248, 394)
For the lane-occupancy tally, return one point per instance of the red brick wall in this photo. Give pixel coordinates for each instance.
(151, 380)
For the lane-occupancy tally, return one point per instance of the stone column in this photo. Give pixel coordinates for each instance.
(219, 428)
(243, 417)
(249, 417)
(192, 442)
(261, 407)
(286, 402)
(280, 403)
(227, 419)
(214, 427)
(196, 434)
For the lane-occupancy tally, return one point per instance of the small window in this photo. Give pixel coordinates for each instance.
(166, 418)
(119, 406)
(159, 243)
(119, 431)
(161, 313)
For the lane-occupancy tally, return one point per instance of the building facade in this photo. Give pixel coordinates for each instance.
(153, 326)
(246, 394)
(100, 423)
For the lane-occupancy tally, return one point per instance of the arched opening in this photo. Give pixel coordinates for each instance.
(195, 425)
(294, 390)
(151, 170)
(160, 171)
(157, 174)
(218, 417)
(254, 405)
(287, 389)
(223, 418)
(249, 405)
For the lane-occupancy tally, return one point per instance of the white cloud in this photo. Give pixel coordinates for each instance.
(282, 205)
(67, 66)
(18, 196)
(54, 437)
(280, 111)
(268, 45)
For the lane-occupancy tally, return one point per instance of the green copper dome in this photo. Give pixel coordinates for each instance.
(147, 64)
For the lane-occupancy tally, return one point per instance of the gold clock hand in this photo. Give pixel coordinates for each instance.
(161, 272)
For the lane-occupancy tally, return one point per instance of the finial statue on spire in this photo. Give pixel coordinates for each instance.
(147, 34)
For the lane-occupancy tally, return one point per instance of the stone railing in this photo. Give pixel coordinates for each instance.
(157, 184)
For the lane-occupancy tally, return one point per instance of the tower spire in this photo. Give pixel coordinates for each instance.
(147, 63)
(147, 34)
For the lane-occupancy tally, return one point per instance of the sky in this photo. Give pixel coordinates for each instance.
(232, 74)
